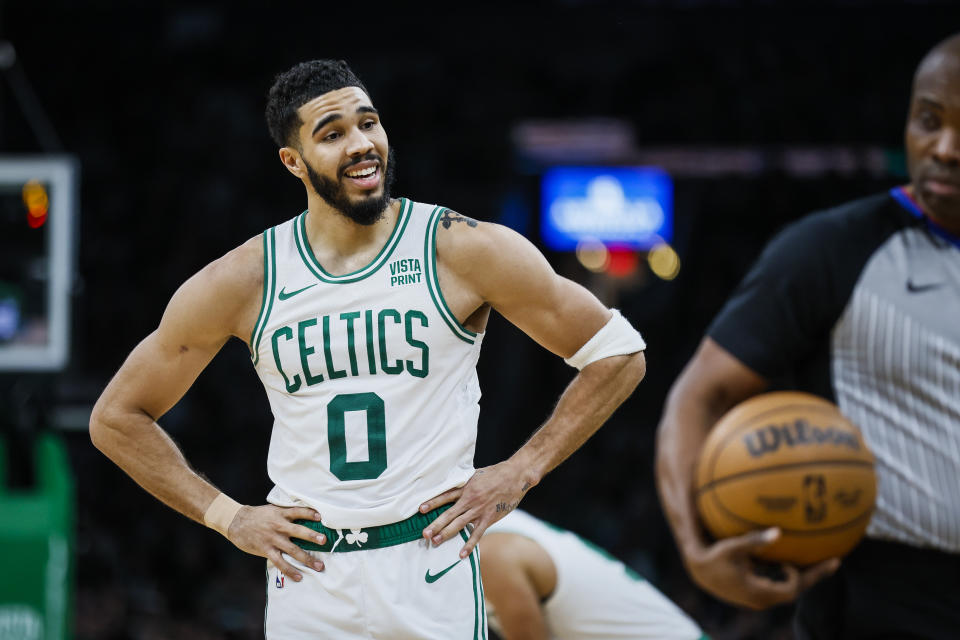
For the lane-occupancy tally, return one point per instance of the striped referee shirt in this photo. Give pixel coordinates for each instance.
(861, 304)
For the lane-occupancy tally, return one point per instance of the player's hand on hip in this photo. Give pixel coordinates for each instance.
(727, 570)
(266, 531)
(490, 494)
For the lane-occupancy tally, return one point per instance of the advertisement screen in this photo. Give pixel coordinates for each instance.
(628, 207)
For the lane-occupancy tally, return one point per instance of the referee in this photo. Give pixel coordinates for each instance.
(859, 304)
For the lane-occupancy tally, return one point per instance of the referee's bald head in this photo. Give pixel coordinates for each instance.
(942, 60)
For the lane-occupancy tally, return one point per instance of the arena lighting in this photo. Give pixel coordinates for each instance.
(35, 222)
(593, 255)
(37, 201)
(664, 261)
(623, 207)
(623, 262)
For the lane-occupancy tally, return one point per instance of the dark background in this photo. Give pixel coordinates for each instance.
(162, 104)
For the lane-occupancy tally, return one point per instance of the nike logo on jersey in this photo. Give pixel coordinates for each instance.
(436, 576)
(919, 288)
(284, 295)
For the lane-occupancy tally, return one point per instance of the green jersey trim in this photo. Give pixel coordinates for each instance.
(480, 607)
(310, 260)
(269, 289)
(433, 281)
(483, 598)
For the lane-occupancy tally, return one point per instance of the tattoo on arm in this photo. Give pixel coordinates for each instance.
(449, 217)
(503, 507)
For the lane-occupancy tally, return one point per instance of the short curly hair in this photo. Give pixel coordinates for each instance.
(297, 86)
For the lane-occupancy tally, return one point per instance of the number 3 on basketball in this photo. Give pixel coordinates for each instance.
(372, 405)
(814, 490)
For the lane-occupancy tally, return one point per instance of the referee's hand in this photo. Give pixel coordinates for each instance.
(727, 570)
(266, 530)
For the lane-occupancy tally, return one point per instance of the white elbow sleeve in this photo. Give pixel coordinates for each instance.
(616, 338)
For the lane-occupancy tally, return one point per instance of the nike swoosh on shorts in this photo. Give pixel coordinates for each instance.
(433, 578)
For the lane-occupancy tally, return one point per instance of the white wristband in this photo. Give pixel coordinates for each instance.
(616, 338)
(221, 512)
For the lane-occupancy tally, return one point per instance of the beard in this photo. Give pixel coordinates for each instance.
(368, 209)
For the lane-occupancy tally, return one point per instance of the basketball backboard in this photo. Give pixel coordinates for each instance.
(38, 209)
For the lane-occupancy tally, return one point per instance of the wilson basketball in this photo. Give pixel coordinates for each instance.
(790, 460)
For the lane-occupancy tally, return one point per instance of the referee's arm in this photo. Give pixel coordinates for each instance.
(712, 383)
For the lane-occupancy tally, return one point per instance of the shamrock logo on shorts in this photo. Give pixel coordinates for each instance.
(356, 536)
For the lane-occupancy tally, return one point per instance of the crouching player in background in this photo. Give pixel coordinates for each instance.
(543, 582)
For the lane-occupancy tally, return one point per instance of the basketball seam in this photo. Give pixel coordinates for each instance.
(794, 532)
(779, 467)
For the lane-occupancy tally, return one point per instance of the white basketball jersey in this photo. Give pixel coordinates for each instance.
(596, 596)
(371, 379)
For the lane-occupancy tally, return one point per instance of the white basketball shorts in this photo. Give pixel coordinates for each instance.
(412, 590)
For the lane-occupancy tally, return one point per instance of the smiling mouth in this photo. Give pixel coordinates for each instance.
(366, 176)
(361, 173)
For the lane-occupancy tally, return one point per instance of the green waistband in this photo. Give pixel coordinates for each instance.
(387, 535)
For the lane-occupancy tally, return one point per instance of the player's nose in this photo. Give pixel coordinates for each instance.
(358, 143)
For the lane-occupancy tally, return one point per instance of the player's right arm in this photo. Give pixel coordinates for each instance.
(712, 383)
(220, 301)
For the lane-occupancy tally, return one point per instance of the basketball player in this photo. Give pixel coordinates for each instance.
(861, 305)
(364, 316)
(542, 582)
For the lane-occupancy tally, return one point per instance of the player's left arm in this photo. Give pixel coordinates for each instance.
(487, 264)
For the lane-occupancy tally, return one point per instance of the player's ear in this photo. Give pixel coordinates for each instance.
(291, 159)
